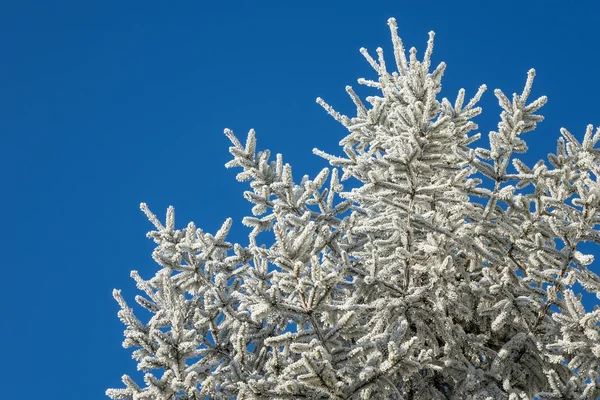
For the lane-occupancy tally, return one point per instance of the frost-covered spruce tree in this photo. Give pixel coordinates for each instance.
(403, 288)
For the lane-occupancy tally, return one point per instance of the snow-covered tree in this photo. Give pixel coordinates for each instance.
(405, 287)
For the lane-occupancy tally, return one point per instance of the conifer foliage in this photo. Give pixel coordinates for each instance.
(405, 287)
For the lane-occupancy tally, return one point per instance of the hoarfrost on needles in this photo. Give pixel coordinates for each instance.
(417, 292)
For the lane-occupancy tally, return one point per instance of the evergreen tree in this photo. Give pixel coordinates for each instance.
(405, 287)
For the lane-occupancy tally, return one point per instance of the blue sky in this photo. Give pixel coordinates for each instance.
(107, 104)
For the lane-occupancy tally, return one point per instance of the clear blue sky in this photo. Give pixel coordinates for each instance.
(106, 104)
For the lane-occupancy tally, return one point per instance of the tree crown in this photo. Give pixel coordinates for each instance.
(405, 287)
